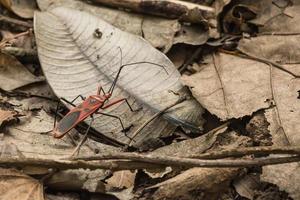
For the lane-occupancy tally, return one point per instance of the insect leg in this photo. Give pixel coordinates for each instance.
(124, 130)
(118, 101)
(82, 98)
(76, 150)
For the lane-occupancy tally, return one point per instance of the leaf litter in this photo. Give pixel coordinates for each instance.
(252, 85)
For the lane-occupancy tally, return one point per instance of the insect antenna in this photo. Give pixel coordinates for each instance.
(112, 87)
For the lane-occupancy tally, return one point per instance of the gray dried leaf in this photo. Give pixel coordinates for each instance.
(13, 74)
(78, 66)
(160, 32)
(33, 139)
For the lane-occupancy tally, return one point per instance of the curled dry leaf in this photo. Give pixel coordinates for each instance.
(76, 62)
(13, 74)
(24, 8)
(18, 186)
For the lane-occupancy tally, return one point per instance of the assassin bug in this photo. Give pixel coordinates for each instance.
(94, 104)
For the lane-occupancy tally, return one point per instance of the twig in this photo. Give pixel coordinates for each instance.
(191, 162)
(186, 11)
(25, 95)
(139, 161)
(180, 100)
(66, 164)
(15, 21)
(263, 60)
(3, 43)
(257, 151)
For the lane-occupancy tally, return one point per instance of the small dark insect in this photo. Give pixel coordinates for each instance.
(94, 104)
(97, 33)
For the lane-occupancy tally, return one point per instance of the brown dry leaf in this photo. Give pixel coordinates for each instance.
(23, 8)
(18, 186)
(125, 194)
(13, 74)
(247, 185)
(71, 70)
(205, 183)
(281, 46)
(63, 196)
(230, 86)
(81, 179)
(6, 115)
(160, 32)
(121, 179)
(191, 146)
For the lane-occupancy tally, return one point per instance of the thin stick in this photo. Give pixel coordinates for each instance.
(3, 43)
(15, 21)
(143, 162)
(263, 60)
(240, 152)
(177, 9)
(180, 100)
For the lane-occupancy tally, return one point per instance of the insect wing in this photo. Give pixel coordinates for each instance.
(66, 123)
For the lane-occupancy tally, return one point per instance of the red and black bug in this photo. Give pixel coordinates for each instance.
(94, 104)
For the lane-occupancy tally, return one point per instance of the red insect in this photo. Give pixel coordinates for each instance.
(94, 104)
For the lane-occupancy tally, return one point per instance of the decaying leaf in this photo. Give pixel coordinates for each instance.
(230, 86)
(121, 179)
(13, 74)
(162, 33)
(284, 116)
(74, 67)
(246, 185)
(63, 196)
(18, 186)
(31, 137)
(9, 150)
(6, 115)
(191, 146)
(205, 183)
(24, 8)
(124, 194)
(78, 180)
